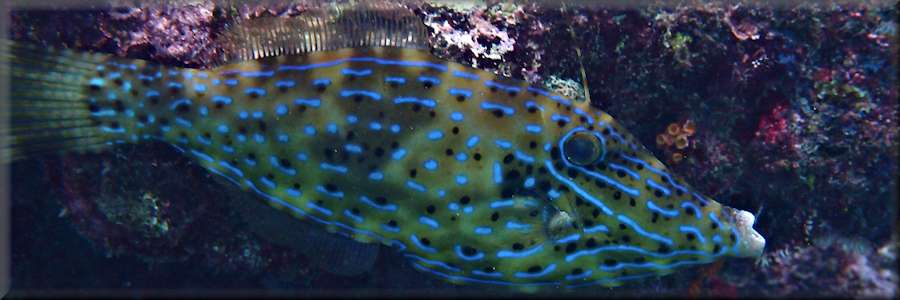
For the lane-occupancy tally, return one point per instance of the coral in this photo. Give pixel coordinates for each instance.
(676, 140)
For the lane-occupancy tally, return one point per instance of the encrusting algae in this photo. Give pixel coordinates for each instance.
(344, 119)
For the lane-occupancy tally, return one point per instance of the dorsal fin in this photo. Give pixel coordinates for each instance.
(329, 27)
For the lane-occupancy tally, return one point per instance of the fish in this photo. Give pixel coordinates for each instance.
(347, 121)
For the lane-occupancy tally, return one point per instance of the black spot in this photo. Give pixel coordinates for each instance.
(477, 156)
(714, 225)
(330, 187)
(591, 243)
(183, 108)
(321, 86)
(416, 107)
(595, 213)
(449, 152)
(465, 200)
(532, 144)
(690, 236)
(392, 223)
(93, 107)
(489, 269)
(533, 213)
(716, 248)
(657, 193)
(142, 118)
(350, 135)
(664, 249)
(460, 98)
(455, 130)
(545, 185)
(262, 126)
(379, 152)
(561, 123)
(119, 106)
(572, 173)
(518, 246)
(285, 163)
(432, 114)
(640, 167)
(609, 262)
(251, 156)
(655, 217)
(622, 226)
(381, 200)
(114, 124)
(430, 209)
(620, 173)
(512, 93)
(689, 210)
(493, 89)
(577, 271)
(571, 247)
(497, 113)
(626, 238)
(512, 175)
(631, 202)
(617, 195)
(412, 173)
(468, 251)
(357, 98)
(427, 84)
(535, 269)
(495, 216)
(296, 186)
(394, 145)
(508, 158)
(732, 237)
(425, 241)
(532, 109)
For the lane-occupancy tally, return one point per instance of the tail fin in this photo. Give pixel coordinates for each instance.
(52, 104)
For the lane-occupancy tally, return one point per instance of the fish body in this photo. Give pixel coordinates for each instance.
(476, 178)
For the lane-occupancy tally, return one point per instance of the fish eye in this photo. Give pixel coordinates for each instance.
(583, 148)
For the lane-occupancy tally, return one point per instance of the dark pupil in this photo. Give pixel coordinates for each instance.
(580, 150)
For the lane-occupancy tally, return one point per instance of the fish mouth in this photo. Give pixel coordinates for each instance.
(751, 243)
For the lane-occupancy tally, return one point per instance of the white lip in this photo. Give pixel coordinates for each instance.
(751, 243)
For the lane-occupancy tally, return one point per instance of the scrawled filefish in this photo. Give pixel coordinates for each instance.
(476, 178)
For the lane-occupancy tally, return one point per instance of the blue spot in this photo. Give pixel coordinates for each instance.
(558, 117)
(460, 92)
(231, 82)
(529, 182)
(517, 226)
(694, 230)
(483, 230)
(435, 135)
(657, 186)
(335, 194)
(178, 102)
(456, 116)
(377, 176)
(199, 88)
(665, 212)
(352, 93)
(322, 82)
(309, 130)
(498, 173)
(472, 141)
(425, 102)
(96, 82)
(486, 105)
(546, 271)
(524, 157)
(308, 102)
(183, 122)
(259, 138)
(223, 128)
(331, 128)
(395, 80)
(520, 254)
(419, 244)
(282, 137)
(431, 164)
(398, 154)
(461, 179)
(385, 207)
(429, 79)
(353, 72)
(461, 156)
(281, 109)
(243, 114)
(570, 238)
(460, 254)
(375, 126)
(395, 128)
(429, 221)
(257, 115)
(577, 189)
(255, 91)
(503, 144)
(284, 84)
(203, 111)
(416, 186)
(466, 75)
(352, 216)
(224, 100)
(628, 171)
(335, 168)
(533, 128)
(320, 209)
(641, 231)
(353, 148)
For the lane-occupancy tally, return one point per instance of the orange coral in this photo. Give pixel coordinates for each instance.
(676, 134)
(688, 128)
(681, 142)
